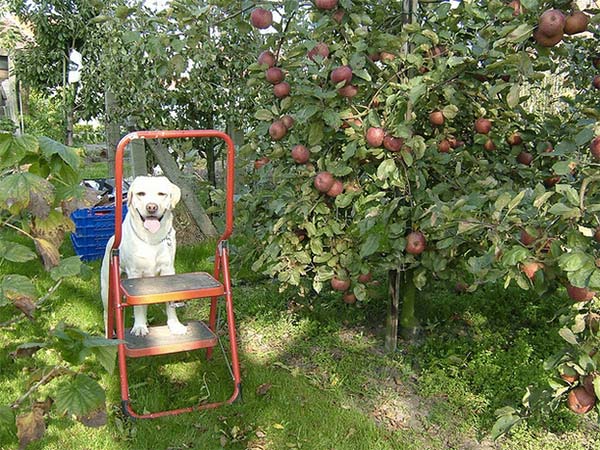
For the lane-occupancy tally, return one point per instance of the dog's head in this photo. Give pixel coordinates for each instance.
(150, 200)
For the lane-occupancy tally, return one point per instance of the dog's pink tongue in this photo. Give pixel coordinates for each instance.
(152, 225)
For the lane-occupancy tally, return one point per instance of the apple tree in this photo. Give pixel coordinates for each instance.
(431, 141)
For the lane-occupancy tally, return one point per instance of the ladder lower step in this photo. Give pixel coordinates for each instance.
(160, 341)
(168, 288)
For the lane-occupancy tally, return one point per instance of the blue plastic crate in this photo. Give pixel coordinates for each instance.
(93, 229)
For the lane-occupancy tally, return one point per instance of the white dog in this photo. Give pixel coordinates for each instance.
(147, 244)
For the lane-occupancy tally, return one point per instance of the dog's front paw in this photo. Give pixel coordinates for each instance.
(139, 330)
(176, 327)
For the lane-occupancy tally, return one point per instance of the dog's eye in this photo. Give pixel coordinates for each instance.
(140, 194)
(162, 194)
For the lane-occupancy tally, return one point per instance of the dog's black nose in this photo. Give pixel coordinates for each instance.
(152, 208)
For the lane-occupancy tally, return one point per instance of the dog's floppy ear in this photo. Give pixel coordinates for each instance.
(130, 193)
(175, 195)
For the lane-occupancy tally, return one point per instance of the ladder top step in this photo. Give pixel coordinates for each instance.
(160, 341)
(184, 286)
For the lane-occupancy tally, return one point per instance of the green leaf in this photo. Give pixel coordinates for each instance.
(503, 425)
(568, 336)
(584, 136)
(560, 209)
(370, 245)
(107, 356)
(515, 255)
(263, 114)
(15, 252)
(362, 74)
(68, 267)
(516, 200)
(569, 192)
(561, 168)
(521, 33)
(450, 111)
(79, 396)
(14, 285)
(16, 190)
(7, 421)
(570, 262)
(51, 147)
(315, 134)
(386, 169)
(513, 96)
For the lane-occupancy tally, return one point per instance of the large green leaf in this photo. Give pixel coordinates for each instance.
(79, 396)
(15, 252)
(50, 147)
(68, 267)
(15, 285)
(16, 190)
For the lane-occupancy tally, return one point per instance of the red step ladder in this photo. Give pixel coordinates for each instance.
(124, 293)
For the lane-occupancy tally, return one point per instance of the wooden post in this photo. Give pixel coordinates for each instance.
(138, 158)
(113, 134)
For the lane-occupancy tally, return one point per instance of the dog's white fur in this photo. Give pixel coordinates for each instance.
(146, 251)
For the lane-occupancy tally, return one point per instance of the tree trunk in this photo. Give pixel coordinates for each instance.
(391, 335)
(401, 318)
(188, 196)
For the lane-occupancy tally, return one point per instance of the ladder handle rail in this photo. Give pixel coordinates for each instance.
(171, 134)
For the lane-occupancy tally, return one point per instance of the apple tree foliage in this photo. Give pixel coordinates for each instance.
(492, 207)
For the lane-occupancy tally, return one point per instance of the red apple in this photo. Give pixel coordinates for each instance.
(415, 243)
(579, 294)
(580, 401)
(261, 18)
(274, 75)
(550, 182)
(338, 16)
(348, 91)
(525, 158)
(336, 188)
(444, 146)
(527, 239)
(326, 4)
(288, 121)
(321, 49)
(365, 277)
(266, 58)
(393, 144)
(576, 22)
(436, 118)
(597, 235)
(375, 136)
(277, 130)
(300, 154)
(342, 73)
(552, 23)
(282, 90)
(349, 298)
(483, 125)
(595, 148)
(339, 284)
(261, 162)
(489, 145)
(529, 268)
(514, 139)
(323, 181)
(596, 82)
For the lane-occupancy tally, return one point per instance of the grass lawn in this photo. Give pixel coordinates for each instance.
(316, 376)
